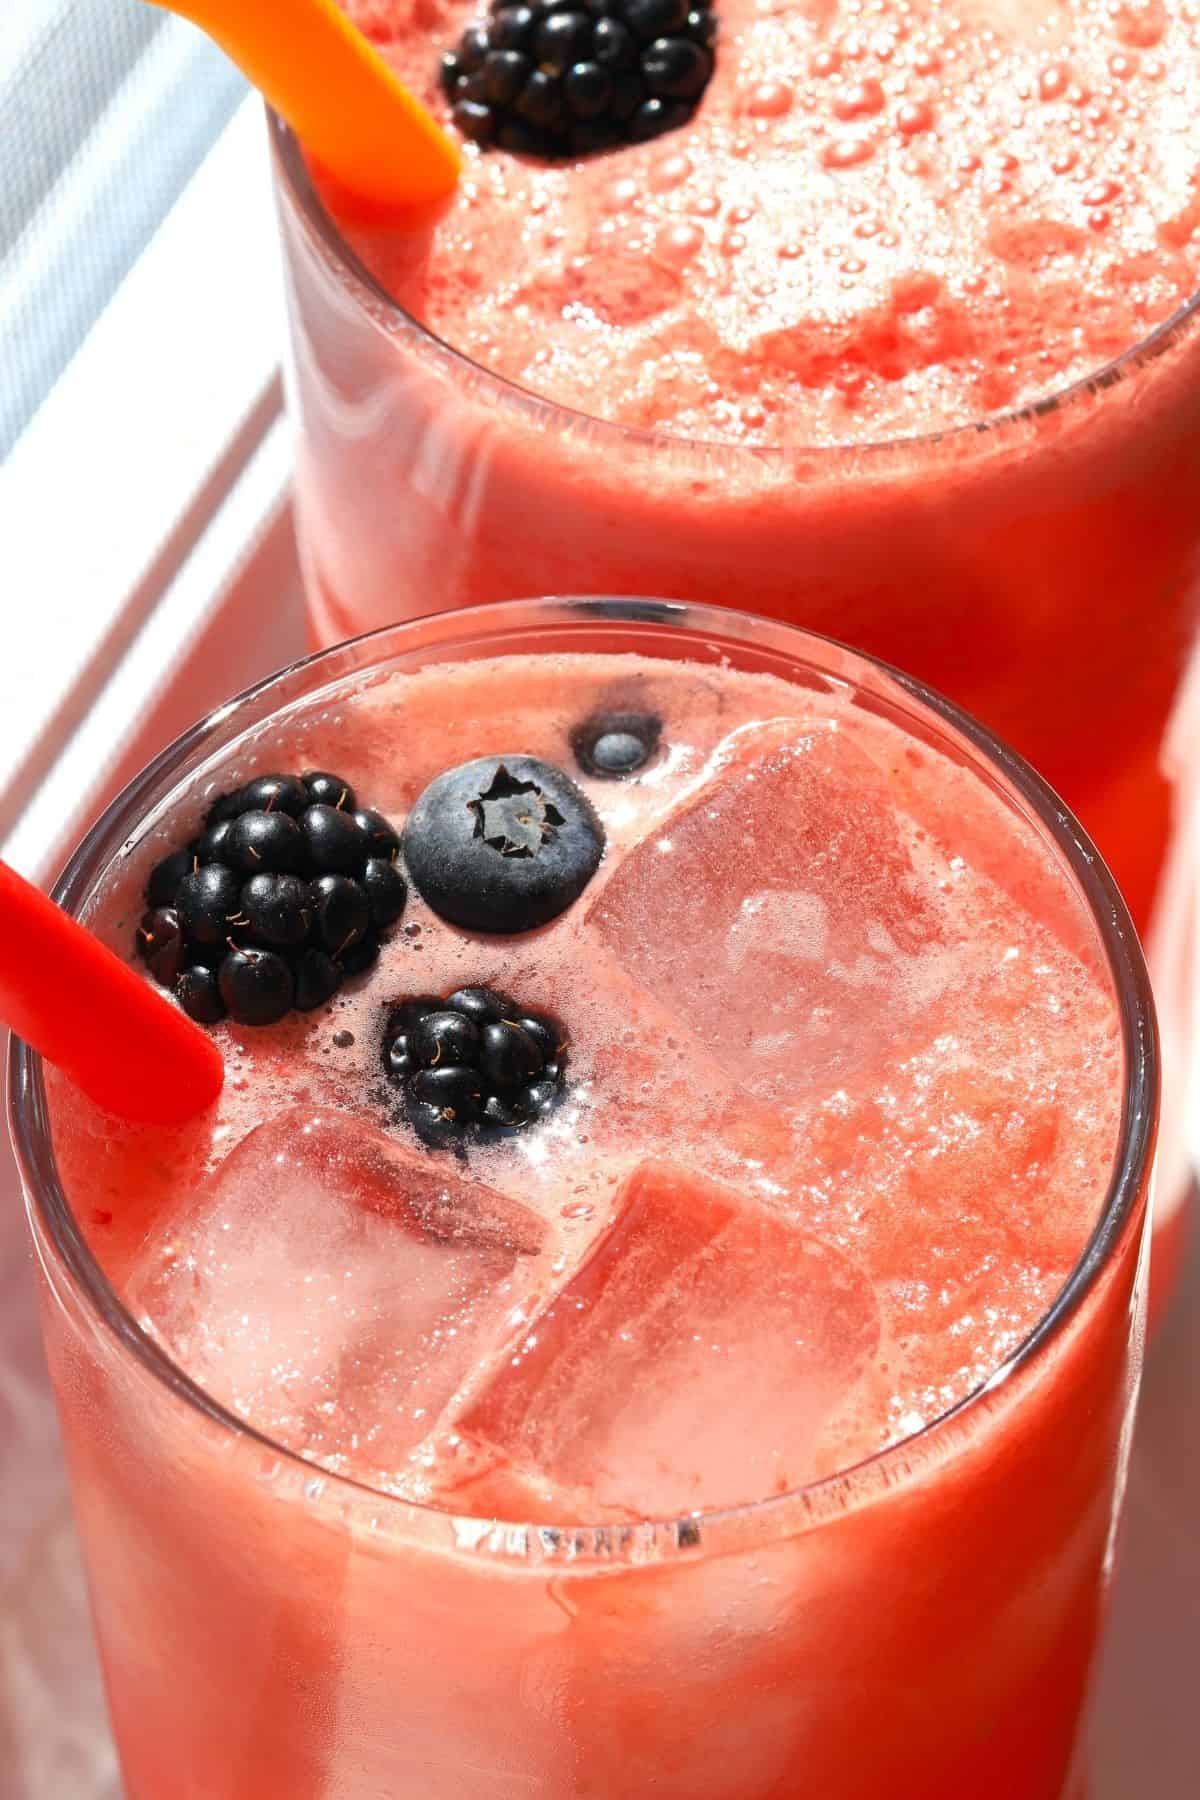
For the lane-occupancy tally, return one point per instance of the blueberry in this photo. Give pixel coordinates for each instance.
(197, 992)
(206, 901)
(278, 908)
(502, 844)
(444, 1037)
(273, 793)
(340, 912)
(453, 1088)
(318, 979)
(256, 986)
(386, 891)
(265, 843)
(611, 746)
(508, 1056)
(166, 876)
(398, 1059)
(383, 838)
(360, 956)
(328, 790)
(336, 842)
(482, 1004)
(161, 945)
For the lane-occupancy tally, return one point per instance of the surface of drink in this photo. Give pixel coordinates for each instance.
(843, 1082)
(748, 363)
(880, 220)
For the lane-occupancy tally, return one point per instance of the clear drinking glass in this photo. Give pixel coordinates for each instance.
(922, 1623)
(1038, 566)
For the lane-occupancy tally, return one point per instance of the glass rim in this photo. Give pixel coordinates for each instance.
(717, 630)
(297, 185)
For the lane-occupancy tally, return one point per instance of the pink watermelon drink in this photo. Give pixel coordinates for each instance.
(890, 337)
(655, 1308)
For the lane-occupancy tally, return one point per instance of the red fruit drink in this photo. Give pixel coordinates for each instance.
(749, 1422)
(886, 341)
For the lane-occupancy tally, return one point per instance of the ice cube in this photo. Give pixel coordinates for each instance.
(334, 1287)
(778, 914)
(694, 1360)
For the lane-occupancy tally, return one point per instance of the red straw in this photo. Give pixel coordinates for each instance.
(97, 1019)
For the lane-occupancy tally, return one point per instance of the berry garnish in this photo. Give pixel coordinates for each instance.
(264, 843)
(279, 908)
(257, 986)
(166, 876)
(282, 896)
(612, 746)
(197, 992)
(472, 1065)
(206, 901)
(556, 78)
(328, 790)
(502, 844)
(161, 944)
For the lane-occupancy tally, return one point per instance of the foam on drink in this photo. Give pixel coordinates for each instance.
(841, 1105)
(883, 219)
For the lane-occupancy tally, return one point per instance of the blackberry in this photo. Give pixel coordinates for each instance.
(278, 908)
(166, 876)
(383, 839)
(274, 793)
(284, 895)
(557, 78)
(257, 986)
(162, 945)
(265, 843)
(341, 912)
(336, 842)
(328, 790)
(472, 1066)
(197, 992)
(385, 888)
(318, 979)
(206, 901)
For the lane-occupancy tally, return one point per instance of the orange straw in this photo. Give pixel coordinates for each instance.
(339, 96)
(97, 1019)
